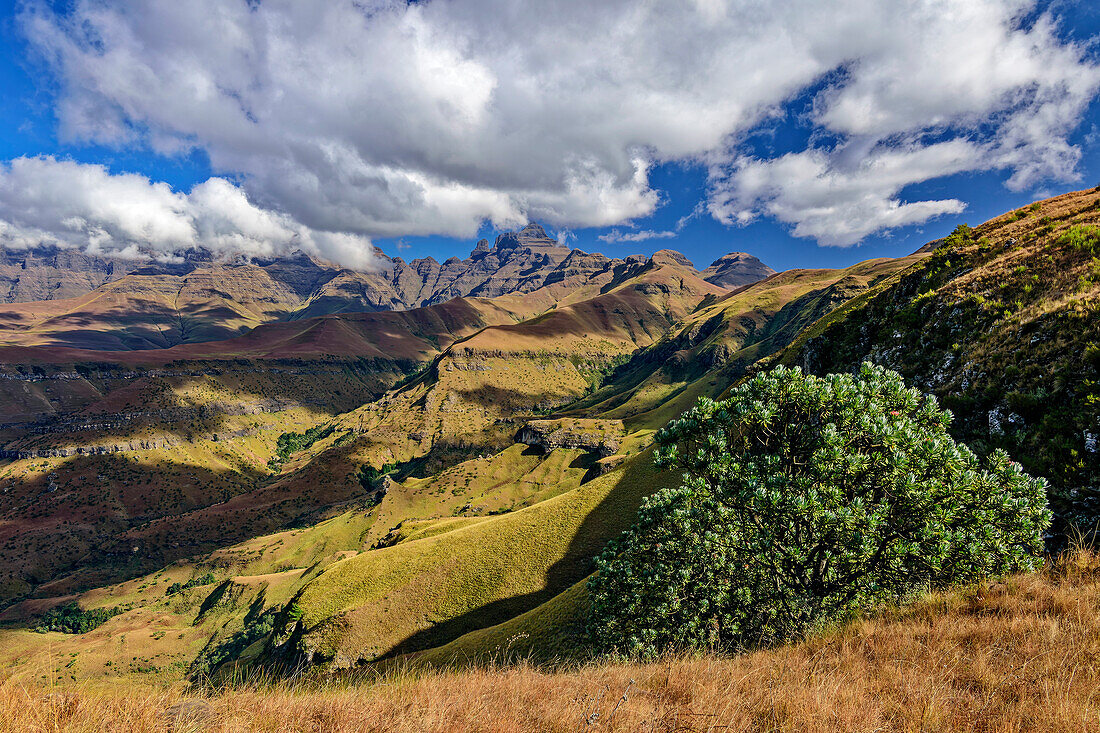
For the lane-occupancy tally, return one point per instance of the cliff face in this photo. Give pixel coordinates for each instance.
(49, 273)
(596, 436)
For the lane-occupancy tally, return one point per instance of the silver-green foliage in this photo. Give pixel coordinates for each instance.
(803, 499)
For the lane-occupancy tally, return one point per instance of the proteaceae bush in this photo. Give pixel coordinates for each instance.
(803, 499)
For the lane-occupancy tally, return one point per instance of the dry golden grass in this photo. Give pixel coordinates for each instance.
(1022, 655)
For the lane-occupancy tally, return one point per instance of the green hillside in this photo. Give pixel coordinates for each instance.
(454, 519)
(1002, 323)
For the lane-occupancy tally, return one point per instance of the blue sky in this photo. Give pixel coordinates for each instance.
(34, 90)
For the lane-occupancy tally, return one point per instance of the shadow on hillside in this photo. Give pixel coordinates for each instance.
(115, 403)
(71, 526)
(510, 400)
(106, 519)
(614, 514)
(152, 326)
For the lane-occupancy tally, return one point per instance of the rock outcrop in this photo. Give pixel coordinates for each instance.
(596, 436)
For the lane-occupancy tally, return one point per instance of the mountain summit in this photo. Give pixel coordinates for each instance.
(736, 269)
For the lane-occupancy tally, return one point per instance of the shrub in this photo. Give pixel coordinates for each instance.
(290, 443)
(802, 500)
(72, 619)
(960, 236)
(1082, 238)
(206, 579)
(370, 478)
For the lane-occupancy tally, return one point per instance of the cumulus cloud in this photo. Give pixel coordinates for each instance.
(387, 118)
(839, 204)
(75, 205)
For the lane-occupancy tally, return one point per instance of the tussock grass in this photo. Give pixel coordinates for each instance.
(1017, 655)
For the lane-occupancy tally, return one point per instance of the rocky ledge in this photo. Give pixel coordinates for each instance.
(598, 436)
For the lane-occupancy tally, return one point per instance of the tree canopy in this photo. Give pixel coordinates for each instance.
(804, 498)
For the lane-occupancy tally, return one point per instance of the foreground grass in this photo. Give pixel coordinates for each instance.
(1019, 655)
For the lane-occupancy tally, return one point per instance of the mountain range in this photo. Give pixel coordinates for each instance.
(254, 467)
(64, 298)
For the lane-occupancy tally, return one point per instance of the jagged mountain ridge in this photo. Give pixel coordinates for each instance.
(518, 261)
(86, 302)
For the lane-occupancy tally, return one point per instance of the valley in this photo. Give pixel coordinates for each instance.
(427, 488)
(420, 366)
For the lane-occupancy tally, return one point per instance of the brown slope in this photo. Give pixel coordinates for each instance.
(630, 314)
(153, 311)
(716, 343)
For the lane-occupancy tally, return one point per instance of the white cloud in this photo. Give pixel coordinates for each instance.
(75, 205)
(837, 204)
(616, 235)
(384, 118)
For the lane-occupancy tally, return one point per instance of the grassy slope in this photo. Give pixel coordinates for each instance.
(1012, 656)
(159, 636)
(179, 457)
(479, 391)
(291, 557)
(551, 633)
(477, 383)
(714, 345)
(220, 490)
(1004, 327)
(423, 593)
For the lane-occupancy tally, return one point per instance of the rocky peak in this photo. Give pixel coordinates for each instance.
(531, 237)
(736, 269)
(532, 231)
(671, 257)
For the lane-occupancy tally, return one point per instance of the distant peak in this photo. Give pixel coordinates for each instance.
(533, 231)
(735, 257)
(532, 235)
(736, 269)
(671, 257)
